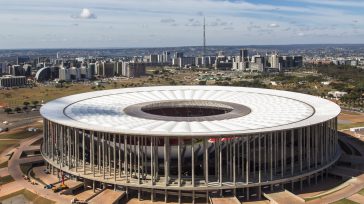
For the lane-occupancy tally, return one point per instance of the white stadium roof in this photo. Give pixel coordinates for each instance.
(270, 110)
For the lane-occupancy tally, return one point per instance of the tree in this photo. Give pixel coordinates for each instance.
(25, 108)
(35, 103)
(17, 109)
(202, 82)
(8, 110)
(26, 103)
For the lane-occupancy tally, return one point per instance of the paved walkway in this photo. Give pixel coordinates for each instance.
(84, 195)
(354, 185)
(284, 197)
(107, 196)
(20, 183)
(4, 172)
(45, 178)
(356, 198)
(227, 200)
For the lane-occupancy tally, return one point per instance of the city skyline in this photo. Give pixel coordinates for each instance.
(111, 23)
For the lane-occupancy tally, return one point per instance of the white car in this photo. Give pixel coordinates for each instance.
(5, 122)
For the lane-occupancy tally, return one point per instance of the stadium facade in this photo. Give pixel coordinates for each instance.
(191, 141)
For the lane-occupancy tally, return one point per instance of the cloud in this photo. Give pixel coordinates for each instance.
(301, 34)
(273, 25)
(85, 14)
(168, 20)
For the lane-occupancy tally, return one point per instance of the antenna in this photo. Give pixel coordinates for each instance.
(204, 37)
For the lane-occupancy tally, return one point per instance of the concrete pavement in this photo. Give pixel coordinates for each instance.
(20, 183)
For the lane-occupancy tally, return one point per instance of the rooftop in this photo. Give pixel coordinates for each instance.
(189, 110)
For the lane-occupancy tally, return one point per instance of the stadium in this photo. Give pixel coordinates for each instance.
(191, 142)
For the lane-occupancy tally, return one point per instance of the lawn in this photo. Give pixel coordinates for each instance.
(19, 135)
(352, 125)
(5, 144)
(4, 164)
(16, 97)
(38, 142)
(36, 199)
(6, 179)
(344, 201)
(361, 192)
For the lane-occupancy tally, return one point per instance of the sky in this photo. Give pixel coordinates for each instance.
(169, 23)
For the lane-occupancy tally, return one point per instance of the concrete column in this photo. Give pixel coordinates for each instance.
(179, 165)
(242, 158)
(69, 147)
(119, 140)
(300, 147)
(282, 153)
(206, 159)
(99, 153)
(254, 158)
(131, 169)
(265, 149)
(109, 152)
(308, 135)
(114, 154)
(103, 155)
(61, 134)
(138, 142)
(166, 168)
(234, 161)
(193, 162)
(247, 171)
(220, 161)
(76, 149)
(92, 153)
(151, 160)
(259, 165)
(126, 157)
(292, 152)
(271, 156)
(83, 152)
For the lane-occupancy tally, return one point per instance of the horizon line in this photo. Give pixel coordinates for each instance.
(104, 48)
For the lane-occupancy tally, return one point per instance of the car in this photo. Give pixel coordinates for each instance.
(59, 188)
(48, 186)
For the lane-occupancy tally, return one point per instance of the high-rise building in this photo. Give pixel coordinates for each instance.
(166, 57)
(178, 54)
(132, 69)
(12, 81)
(244, 55)
(64, 74)
(154, 58)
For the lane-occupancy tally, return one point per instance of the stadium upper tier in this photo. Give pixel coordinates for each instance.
(189, 110)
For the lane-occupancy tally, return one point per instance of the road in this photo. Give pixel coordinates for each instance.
(19, 119)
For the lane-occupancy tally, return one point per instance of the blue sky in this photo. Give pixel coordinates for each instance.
(159, 23)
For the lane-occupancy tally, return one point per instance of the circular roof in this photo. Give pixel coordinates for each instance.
(252, 110)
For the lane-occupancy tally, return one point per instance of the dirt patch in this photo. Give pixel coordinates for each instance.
(352, 117)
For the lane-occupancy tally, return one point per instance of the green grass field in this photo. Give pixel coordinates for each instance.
(361, 192)
(6, 179)
(344, 201)
(36, 199)
(19, 135)
(4, 164)
(4, 144)
(38, 142)
(347, 126)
